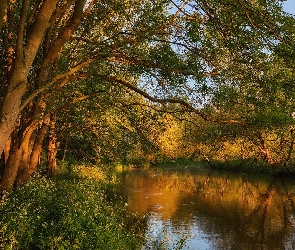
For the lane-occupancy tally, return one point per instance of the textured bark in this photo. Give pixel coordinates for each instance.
(64, 37)
(6, 151)
(37, 149)
(25, 54)
(34, 159)
(24, 162)
(16, 157)
(16, 115)
(9, 114)
(10, 171)
(52, 148)
(64, 149)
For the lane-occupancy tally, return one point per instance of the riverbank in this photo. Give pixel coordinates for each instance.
(69, 211)
(253, 166)
(72, 210)
(249, 166)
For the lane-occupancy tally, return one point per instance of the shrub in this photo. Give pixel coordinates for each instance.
(63, 213)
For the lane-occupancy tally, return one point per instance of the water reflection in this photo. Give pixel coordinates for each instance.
(212, 209)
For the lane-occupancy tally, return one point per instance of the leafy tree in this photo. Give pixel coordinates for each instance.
(186, 56)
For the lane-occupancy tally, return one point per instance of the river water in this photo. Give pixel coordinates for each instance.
(210, 209)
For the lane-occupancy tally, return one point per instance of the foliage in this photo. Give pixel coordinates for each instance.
(68, 211)
(101, 76)
(108, 128)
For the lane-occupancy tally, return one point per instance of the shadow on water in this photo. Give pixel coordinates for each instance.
(212, 209)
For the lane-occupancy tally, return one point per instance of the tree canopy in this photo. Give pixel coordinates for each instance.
(107, 73)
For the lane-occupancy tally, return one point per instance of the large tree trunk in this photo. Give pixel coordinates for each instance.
(21, 148)
(18, 154)
(21, 47)
(10, 113)
(25, 52)
(37, 149)
(10, 171)
(29, 165)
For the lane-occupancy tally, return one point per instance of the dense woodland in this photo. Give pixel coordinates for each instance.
(137, 81)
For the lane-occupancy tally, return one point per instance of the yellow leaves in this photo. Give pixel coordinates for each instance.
(238, 148)
(276, 147)
(170, 141)
(227, 150)
(90, 172)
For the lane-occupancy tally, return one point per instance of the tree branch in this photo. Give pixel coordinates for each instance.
(38, 29)
(170, 100)
(20, 32)
(64, 37)
(55, 80)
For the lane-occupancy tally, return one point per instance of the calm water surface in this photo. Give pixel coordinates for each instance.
(209, 209)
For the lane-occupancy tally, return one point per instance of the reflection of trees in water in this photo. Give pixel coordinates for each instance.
(242, 211)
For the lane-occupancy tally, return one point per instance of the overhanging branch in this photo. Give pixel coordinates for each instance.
(170, 100)
(56, 79)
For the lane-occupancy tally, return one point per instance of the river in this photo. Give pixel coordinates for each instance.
(209, 209)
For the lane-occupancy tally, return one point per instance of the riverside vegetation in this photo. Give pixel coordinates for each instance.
(69, 211)
(118, 81)
(133, 82)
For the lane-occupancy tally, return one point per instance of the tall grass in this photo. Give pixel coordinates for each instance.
(66, 212)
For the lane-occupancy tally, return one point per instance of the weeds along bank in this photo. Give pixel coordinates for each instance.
(69, 211)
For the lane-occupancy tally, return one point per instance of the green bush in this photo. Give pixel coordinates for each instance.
(63, 213)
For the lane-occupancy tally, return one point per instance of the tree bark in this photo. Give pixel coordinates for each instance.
(34, 159)
(10, 171)
(25, 54)
(17, 155)
(264, 149)
(6, 151)
(24, 44)
(52, 149)
(64, 149)
(10, 113)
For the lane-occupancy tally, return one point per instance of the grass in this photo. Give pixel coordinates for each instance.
(69, 211)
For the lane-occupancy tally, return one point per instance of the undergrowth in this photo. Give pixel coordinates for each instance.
(69, 211)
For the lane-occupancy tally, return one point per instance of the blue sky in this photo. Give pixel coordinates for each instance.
(289, 6)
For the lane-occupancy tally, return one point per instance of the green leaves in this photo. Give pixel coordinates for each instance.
(231, 60)
(63, 213)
